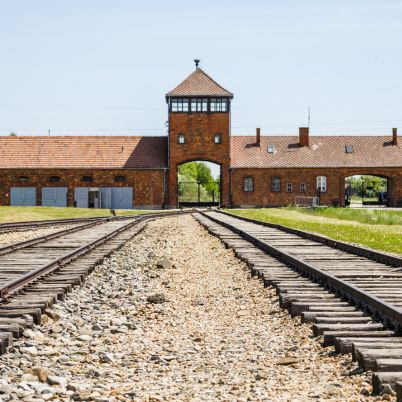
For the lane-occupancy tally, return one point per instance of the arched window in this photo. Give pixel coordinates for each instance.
(248, 184)
(23, 179)
(120, 179)
(54, 179)
(87, 179)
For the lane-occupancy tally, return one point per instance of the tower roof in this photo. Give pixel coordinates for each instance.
(199, 83)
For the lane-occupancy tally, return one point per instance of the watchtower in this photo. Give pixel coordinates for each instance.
(199, 128)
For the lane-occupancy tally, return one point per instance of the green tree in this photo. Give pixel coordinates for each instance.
(367, 185)
(12, 134)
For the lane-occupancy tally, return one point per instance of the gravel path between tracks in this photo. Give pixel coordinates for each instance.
(200, 330)
(8, 238)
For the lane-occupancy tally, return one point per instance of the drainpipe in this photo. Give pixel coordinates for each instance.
(230, 188)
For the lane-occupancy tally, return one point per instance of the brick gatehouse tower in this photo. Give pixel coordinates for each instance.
(199, 129)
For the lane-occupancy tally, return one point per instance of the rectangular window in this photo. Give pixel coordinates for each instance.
(219, 105)
(275, 184)
(179, 105)
(290, 187)
(322, 184)
(199, 105)
(182, 139)
(217, 139)
(271, 149)
(248, 184)
(302, 187)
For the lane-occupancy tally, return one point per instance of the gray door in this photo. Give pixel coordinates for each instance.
(54, 196)
(23, 196)
(122, 197)
(106, 197)
(81, 197)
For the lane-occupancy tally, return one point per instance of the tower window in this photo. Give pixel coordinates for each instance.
(182, 139)
(199, 105)
(275, 184)
(217, 139)
(179, 105)
(219, 105)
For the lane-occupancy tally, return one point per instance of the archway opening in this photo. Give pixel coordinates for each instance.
(199, 184)
(366, 190)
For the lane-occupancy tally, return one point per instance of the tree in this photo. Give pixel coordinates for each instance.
(12, 134)
(366, 185)
(197, 172)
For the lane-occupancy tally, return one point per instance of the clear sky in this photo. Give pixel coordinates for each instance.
(103, 67)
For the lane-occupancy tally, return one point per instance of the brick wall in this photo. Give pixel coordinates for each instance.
(263, 196)
(147, 184)
(199, 130)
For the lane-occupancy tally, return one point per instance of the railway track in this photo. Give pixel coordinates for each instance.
(351, 296)
(36, 273)
(27, 225)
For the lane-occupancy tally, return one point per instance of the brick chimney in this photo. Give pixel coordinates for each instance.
(303, 136)
(394, 136)
(258, 137)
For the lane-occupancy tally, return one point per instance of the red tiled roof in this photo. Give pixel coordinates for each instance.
(198, 83)
(324, 151)
(82, 152)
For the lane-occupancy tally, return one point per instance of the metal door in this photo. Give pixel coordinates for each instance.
(81, 197)
(106, 197)
(54, 196)
(23, 196)
(122, 197)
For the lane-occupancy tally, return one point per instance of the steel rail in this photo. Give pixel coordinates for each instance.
(21, 282)
(7, 227)
(340, 245)
(41, 239)
(390, 315)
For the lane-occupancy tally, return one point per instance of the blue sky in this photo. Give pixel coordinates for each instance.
(103, 67)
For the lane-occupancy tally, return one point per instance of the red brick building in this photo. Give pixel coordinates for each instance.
(141, 172)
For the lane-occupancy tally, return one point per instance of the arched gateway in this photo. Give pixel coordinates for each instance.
(199, 129)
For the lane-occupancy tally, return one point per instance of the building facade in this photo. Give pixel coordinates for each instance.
(142, 172)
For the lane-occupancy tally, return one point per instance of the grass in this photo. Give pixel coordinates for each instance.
(20, 214)
(382, 232)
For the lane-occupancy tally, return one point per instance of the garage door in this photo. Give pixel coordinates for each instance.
(81, 197)
(54, 196)
(122, 197)
(23, 196)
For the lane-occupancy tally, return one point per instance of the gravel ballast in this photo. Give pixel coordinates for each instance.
(8, 238)
(174, 316)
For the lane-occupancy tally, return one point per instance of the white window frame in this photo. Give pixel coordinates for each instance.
(271, 149)
(302, 187)
(322, 184)
(182, 139)
(289, 187)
